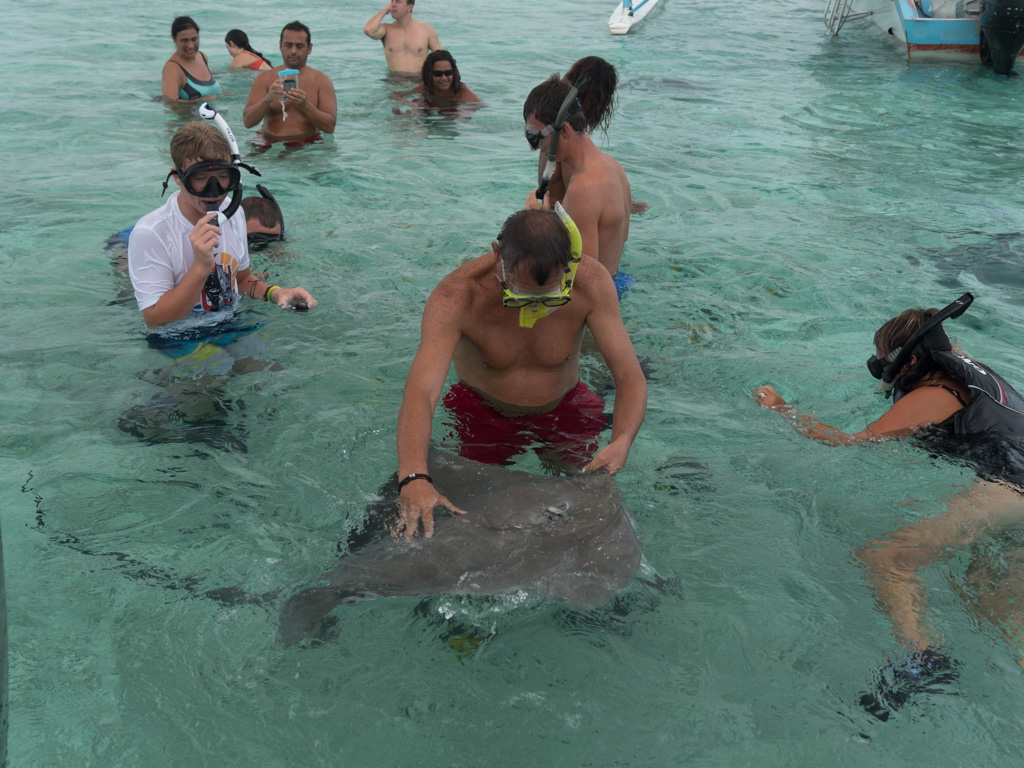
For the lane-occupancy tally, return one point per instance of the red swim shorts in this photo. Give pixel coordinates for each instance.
(567, 433)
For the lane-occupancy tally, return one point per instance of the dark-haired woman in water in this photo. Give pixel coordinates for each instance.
(597, 99)
(961, 408)
(186, 75)
(441, 87)
(242, 53)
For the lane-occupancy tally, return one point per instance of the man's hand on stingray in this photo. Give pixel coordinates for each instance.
(416, 504)
(609, 459)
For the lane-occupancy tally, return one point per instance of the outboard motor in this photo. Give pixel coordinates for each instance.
(1002, 33)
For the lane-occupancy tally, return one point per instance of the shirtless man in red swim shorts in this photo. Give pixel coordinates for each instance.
(512, 322)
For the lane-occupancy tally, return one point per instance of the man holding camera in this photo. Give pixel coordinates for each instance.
(292, 107)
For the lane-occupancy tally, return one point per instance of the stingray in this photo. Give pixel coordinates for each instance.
(569, 538)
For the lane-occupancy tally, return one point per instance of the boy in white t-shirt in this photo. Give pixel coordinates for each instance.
(179, 260)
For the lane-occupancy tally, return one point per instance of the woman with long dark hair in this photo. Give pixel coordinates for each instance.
(243, 54)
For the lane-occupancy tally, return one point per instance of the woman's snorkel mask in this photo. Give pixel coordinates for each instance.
(213, 187)
(533, 306)
(929, 337)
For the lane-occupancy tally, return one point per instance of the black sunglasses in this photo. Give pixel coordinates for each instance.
(444, 72)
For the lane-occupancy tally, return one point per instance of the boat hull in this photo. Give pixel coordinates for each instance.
(924, 38)
(629, 15)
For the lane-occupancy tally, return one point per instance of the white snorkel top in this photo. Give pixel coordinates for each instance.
(210, 115)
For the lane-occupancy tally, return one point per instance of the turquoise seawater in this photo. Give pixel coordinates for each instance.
(802, 191)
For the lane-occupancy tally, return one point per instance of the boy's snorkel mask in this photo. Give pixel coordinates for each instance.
(533, 306)
(212, 187)
(929, 337)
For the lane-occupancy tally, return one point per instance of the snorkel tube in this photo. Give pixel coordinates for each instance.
(210, 115)
(570, 106)
(928, 337)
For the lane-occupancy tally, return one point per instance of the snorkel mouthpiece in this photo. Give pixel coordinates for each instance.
(531, 313)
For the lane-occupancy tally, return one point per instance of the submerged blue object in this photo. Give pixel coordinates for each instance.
(622, 281)
(908, 676)
(180, 340)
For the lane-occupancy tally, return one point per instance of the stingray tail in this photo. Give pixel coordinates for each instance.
(307, 614)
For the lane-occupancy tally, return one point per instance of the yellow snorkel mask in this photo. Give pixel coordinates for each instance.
(533, 306)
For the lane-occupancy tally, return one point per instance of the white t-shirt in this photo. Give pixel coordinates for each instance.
(159, 255)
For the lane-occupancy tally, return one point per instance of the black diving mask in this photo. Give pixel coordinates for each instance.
(202, 179)
(929, 336)
(260, 240)
(877, 365)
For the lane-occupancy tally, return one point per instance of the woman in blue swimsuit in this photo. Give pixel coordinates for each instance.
(186, 75)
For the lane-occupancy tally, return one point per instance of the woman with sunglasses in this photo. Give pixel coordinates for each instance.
(442, 85)
(186, 75)
(963, 409)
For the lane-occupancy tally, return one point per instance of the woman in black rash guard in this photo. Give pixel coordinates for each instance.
(963, 409)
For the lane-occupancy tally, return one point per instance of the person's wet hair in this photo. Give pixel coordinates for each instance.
(200, 141)
(266, 212)
(182, 23)
(238, 38)
(427, 72)
(896, 332)
(597, 96)
(546, 99)
(537, 239)
(296, 26)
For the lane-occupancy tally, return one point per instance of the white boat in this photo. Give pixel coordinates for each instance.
(630, 14)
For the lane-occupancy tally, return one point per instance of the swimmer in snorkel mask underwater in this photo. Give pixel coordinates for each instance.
(929, 381)
(961, 408)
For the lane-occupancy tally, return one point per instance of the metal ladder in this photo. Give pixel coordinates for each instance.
(837, 12)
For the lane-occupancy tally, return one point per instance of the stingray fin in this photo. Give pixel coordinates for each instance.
(306, 615)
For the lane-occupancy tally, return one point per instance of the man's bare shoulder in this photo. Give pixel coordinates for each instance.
(600, 167)
(319, 77)
(592, 281)
(424, 27)
(460, 290)
(465, 278)
(601, 176)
